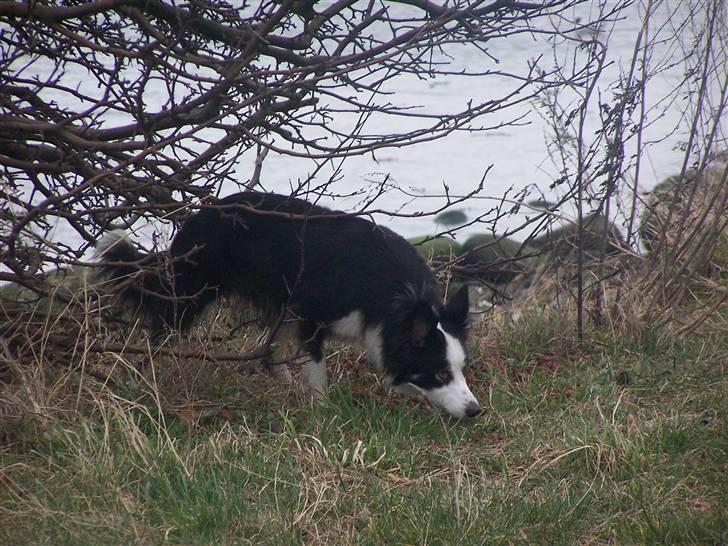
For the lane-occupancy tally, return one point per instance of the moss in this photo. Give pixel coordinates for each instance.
(436, 248)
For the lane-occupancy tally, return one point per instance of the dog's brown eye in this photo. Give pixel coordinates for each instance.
(443, 377)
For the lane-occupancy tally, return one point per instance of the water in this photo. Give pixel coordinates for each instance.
(513, 156)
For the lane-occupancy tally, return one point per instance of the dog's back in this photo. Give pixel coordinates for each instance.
(275, 250)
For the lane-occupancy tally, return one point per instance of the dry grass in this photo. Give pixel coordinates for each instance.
(621, 438)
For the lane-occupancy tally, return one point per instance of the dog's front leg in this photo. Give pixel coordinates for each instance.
(280, 347)
(316, 380)
(280, 370)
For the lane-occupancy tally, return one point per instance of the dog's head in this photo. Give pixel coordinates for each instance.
(428, 354)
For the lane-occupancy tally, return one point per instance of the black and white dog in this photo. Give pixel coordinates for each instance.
(333, 273)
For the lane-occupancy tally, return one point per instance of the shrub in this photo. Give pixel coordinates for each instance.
(689, 214)
(563, 241)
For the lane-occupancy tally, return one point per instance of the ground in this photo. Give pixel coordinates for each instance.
(614, 439)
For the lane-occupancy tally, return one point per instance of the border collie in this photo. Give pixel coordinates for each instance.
(329, 273)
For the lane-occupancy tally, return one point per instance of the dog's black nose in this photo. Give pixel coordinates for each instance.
(472, 410)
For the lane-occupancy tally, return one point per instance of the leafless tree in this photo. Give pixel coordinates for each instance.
(604, 171)
(115, 110)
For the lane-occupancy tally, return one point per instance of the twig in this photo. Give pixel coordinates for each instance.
(68, 342)
(259, 158)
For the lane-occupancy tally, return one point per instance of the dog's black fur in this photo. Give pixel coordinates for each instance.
(281, 252)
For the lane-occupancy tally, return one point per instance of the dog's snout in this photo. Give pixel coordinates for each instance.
(472, 410)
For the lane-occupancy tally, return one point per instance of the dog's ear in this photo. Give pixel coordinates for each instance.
(456, 310)
(423, 321)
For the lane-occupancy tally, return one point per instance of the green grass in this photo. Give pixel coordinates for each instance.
(611, 441)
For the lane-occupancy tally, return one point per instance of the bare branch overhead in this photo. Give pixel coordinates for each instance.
(129, 105)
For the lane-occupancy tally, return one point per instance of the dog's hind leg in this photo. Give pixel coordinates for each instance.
(282, 373)
(282, 348)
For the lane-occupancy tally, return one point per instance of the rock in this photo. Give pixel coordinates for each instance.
(452, 217)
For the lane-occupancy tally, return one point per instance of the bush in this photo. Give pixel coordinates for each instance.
(62, 285)
(691, 210)
(563, 241)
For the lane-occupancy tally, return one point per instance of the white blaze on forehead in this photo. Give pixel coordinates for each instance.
(454, 351)
(455, 397)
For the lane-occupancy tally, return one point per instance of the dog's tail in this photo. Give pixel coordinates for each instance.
(139, 280)
(114, 247)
